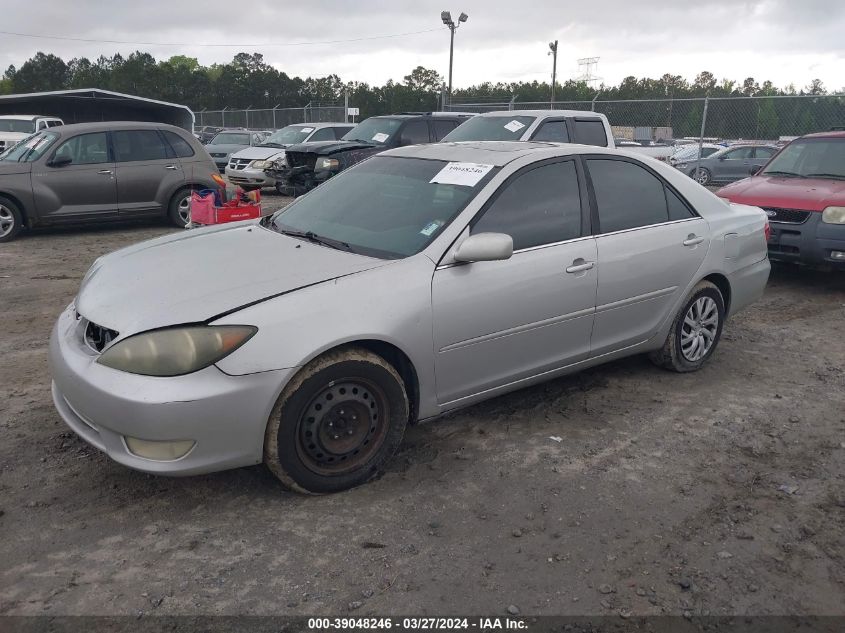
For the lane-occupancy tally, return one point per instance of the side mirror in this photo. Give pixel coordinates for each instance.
(60, 161)
(485, 247)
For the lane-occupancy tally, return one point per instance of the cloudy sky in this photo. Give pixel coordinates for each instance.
(786, 41)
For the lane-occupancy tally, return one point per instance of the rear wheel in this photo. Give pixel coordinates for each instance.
(695, 332)
(337, 423)
(179, 210)
(11, 220)
(702, 176)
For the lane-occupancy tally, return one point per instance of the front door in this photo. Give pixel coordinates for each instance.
(733, 164)
(148, 173)
(650, 246)
(497, 322)
(83, 187)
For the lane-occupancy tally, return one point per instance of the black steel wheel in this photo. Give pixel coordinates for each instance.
(337, 423)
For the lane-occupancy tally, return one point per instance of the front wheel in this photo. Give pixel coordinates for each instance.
(179, 210)
(695, 332)
(11, 220)
(702, 176)
(337, 423)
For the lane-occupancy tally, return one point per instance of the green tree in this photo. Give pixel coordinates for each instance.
(40, 73)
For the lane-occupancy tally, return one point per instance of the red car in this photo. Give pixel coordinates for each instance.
(802, 190)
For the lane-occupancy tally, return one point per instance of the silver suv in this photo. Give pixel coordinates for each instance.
(93, 171)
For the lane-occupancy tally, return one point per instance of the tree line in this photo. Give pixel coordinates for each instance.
(249, 82)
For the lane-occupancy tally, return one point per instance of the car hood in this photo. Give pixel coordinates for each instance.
(322, 148)
(224, 148)
(808, 194)
(257, 152)
(194, 276)
(9, 167)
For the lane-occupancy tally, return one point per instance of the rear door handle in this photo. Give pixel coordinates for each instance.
(579, 265)
(105, 172)
(171, 167)
(693, 240)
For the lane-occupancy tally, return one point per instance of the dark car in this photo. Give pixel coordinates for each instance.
(729, 164)
(93, 171)
(308, 164)
(802, 190)
(228, 142)
(207, 132)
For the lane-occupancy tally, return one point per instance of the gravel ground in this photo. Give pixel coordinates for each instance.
(621, 490)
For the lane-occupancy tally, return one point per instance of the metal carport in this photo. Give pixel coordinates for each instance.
(87, 105)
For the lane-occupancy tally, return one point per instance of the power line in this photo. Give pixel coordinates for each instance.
(243, 45)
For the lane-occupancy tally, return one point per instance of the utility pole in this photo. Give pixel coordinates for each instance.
(446, 18)
(553, 53)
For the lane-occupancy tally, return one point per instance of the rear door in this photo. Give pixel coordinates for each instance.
(86, 187)
(414, 132)
(589, 131)
(761, 157)
(148, 172)
(441, 127)
(650, 246)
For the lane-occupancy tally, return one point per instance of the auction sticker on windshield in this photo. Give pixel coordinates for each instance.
(305, 130)
(513, 126)
(381, 137)
(467, 174)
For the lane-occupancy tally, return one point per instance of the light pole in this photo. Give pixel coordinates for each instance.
(446, 16)
(553, 53)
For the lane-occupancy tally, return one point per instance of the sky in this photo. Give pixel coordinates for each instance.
(785, 41)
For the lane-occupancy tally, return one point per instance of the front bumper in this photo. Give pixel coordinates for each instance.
(249, 177)
(221, 163)
(810, 242)
(302, 178)
(224, 415)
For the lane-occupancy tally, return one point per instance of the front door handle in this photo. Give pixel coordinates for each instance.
(693, 240)
(105, 172)
(579, 265)
(171, 167)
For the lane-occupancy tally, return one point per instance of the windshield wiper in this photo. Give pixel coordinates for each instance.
(359, 140)
(826, 175)
(311, 236)
(782, 173)
(270, 145)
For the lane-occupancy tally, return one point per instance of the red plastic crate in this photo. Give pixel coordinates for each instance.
(203, 211)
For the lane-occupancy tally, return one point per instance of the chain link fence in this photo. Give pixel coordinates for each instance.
(761, 119)
(269, 118)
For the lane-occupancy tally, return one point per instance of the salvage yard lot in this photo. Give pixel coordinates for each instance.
(717, 492)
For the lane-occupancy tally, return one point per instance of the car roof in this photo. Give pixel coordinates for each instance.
(430, 115)
(497, 153)
(104, 126)
(31, 117)
(320, 125)
(546, 113)
(828, 134)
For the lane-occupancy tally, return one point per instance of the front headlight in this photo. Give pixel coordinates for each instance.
(327, 163)
(834, 215)
(176, 351)
(259, 164)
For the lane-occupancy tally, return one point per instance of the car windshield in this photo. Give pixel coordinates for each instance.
(20, 126)
(30, 149)
(374, 130)
(289, 135)
(490, 128)
(385, 207)
(810, 158)
(229, 138)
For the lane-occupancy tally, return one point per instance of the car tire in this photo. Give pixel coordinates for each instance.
(179, 209)
(11, 220)
(337, 422)
(694, 334)
(702, 176)
(282, 189)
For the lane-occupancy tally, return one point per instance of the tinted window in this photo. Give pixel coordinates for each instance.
(180, 146)
(323, 134)
(385, 206)
(132, 145)
(491, 128)
(742, 152)
(374, 130)
(340, 131)
(414, 133)
(627, 195)
(442, 128)
(707, 151)
(678, 210)
(764, 152)
(229, 138)
(553, 131)
(85, 149)
(540, 206)
(590, 132)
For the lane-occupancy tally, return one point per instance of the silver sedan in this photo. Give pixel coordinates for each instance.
(424, 279)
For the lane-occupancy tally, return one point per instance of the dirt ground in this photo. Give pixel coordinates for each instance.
(719, 492)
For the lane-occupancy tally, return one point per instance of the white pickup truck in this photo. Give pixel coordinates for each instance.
(16, 127)
(660, 151)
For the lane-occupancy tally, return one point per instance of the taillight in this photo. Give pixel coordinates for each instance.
(767, 230)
